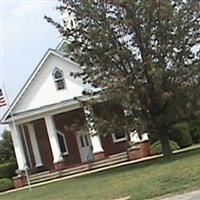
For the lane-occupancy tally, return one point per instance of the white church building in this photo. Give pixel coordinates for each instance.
(44, 111)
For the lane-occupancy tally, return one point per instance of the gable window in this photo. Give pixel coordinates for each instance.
(62, 143)
(59, 79)
(119, 137)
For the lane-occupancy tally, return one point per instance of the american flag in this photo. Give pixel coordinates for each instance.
(2, 99)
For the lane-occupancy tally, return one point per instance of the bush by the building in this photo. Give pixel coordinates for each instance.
(6, 184)
(153, 136)
(7, 170)
(180, 133)
(156, 148)
(195, 130)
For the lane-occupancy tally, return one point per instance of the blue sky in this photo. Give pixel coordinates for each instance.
(25, 36)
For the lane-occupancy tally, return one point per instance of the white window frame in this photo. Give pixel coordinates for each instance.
(116, 140)
(65, 143)
(59, 79)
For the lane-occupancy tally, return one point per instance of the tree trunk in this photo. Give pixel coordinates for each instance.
(166, 149)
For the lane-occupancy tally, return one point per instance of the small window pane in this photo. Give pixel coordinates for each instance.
(60, 84)
(59, 79)
(86, 140)
(61, 143)
(119, 135)
(82, 142)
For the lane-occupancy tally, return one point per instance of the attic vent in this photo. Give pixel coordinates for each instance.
(59, 79)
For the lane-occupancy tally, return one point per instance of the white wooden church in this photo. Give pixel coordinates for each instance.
(43, 111)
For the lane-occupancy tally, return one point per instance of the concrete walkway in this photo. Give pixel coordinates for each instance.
(195, 195)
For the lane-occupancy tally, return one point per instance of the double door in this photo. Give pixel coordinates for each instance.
(85, 146)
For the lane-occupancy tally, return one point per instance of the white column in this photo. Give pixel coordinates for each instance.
(134, 137)
(96, 143)
(27, 150)
(145, 137)
(53, 139)
(18, 147)
(95, 138)
(34, 144)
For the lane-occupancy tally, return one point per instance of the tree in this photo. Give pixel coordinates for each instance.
(144, 53)
(6, 148)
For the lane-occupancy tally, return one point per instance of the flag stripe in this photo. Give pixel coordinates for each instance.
(2, 99)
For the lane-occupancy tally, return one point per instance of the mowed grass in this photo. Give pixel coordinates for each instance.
(140, 181)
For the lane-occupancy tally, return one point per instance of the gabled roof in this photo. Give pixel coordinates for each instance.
(31, 78)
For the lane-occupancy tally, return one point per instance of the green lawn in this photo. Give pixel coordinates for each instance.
(140, 181)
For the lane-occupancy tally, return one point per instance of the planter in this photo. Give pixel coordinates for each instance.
(145, 149)
(99, 156)
(134, 152)
(59, 165)
(20, 181)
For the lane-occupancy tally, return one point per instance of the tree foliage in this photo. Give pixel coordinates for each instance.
(143, 53)
(7, 154)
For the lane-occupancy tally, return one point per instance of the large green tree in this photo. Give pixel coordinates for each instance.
(145, 53)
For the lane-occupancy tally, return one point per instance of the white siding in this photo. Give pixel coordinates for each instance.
(42, 90)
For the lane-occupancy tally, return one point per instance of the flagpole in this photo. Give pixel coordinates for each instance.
(15, 131)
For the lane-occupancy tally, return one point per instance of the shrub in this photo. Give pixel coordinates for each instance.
(7, 170)
(195, 130)
(156, 148)
(6, 184)
(153, 136)
(180, 133)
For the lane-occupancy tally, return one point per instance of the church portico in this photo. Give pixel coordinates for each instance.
(60, 140)
(69, 133)
(64, 140)
(34, 146)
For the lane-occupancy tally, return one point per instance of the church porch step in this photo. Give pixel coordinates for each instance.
(111, 160)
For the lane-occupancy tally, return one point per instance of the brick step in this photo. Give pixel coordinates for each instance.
(39, 174)
(118, 155)
(55, 175)
(110, 159)
(45, 176)
(86, 168)
(75, 168)
(95, 166)
(81, 168)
